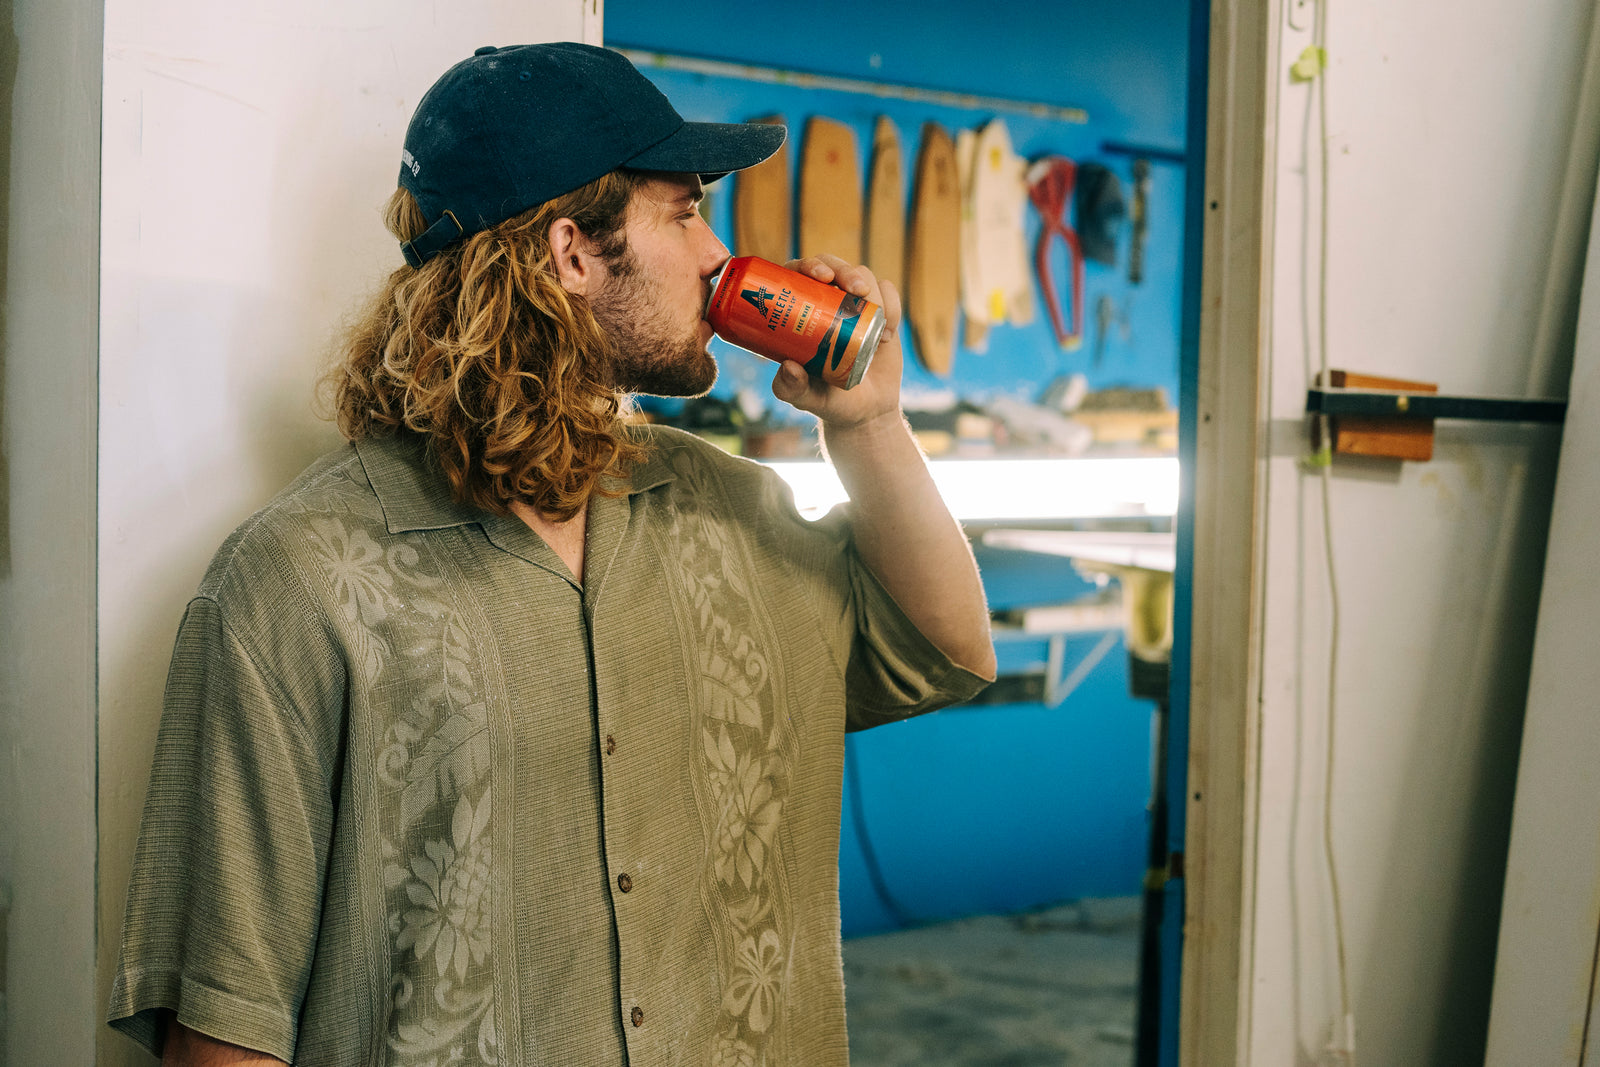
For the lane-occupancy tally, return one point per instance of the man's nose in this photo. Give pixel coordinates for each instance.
(713, 254)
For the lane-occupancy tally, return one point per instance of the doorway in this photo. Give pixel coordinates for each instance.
(1014, 827)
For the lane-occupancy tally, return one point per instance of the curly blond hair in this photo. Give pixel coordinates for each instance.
(481, 352)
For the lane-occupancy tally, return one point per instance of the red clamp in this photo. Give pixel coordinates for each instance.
(1050, 183)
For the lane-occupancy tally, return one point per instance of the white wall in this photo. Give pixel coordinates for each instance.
(49, 167)
(1544, 967)
(1449, 125)
(247, 153)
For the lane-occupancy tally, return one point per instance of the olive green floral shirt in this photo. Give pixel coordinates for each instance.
(421, 798)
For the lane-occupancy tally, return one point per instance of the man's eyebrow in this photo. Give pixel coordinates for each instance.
(680, 190)
(675, 196)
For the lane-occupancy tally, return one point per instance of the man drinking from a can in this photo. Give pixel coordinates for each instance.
(511, 733)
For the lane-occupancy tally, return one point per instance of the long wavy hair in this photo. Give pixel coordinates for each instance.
(481, 351)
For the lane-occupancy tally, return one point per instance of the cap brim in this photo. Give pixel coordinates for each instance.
(712, 149)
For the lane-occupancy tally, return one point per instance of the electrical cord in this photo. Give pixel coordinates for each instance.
(1344, 1038)
(869, 856)
(1312, 67)
(1349, 1035)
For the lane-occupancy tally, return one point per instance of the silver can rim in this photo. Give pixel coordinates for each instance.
(869, 345)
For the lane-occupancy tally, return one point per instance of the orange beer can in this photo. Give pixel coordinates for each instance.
(784, 315)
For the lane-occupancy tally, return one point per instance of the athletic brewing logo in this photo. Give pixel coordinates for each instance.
(410, 162)
(757, 298)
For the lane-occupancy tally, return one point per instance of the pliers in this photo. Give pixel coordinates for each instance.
(1050, 182)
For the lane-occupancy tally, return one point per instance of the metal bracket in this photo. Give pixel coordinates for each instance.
(1386, 402)
(1058, 687)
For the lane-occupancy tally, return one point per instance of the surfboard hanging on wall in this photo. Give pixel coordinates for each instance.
(830, 191)
(886, 206)
(996, 280)
(933, 287)
(763, 206)
(974, 327)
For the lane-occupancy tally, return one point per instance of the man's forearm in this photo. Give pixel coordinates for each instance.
(183, 1047)
(902, 528)
(905, 533)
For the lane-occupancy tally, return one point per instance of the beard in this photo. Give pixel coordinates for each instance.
(651, 352)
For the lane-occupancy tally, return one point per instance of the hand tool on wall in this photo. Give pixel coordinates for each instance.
(830, 191)
(763, 206)
(1141, 219)
(1099, 210)
(1105, 313)
(1050, 182)
(932, 281)
(886, 206)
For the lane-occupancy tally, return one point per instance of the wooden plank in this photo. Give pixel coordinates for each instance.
(932, 266)
(830, 191)
(763, 206)
(1385, 437)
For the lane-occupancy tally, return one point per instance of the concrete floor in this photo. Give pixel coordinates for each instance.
(1056, 987)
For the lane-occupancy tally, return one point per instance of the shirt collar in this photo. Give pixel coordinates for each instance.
(415, 494)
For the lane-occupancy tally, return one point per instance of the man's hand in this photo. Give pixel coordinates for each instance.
(877, 395)
(902, 529)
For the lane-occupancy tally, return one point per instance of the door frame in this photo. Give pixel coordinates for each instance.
(1224, 410)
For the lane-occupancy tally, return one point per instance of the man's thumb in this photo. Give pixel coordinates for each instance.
(790, 385)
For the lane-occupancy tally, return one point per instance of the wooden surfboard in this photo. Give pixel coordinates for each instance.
(886, 206)
(932, 264)
(1003, 278)
(763, 206)
(974, 313)
(830, 191)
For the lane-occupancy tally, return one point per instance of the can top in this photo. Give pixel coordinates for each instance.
(869, 345)
(732, 267)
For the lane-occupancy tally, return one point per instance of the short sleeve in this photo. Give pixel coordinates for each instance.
(892, 671)
(225, 898)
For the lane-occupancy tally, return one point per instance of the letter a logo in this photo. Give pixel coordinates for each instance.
(757, 298)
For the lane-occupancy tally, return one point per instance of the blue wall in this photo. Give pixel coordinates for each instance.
(1003, 807)
(1125, 64)
(1000, 808)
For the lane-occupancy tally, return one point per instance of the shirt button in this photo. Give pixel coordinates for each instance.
(624, 882)
(611, 744)
(638, 1016)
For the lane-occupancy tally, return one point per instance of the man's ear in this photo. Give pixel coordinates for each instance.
(576, 267)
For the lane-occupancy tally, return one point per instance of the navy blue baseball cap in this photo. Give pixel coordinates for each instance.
(510, 128)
